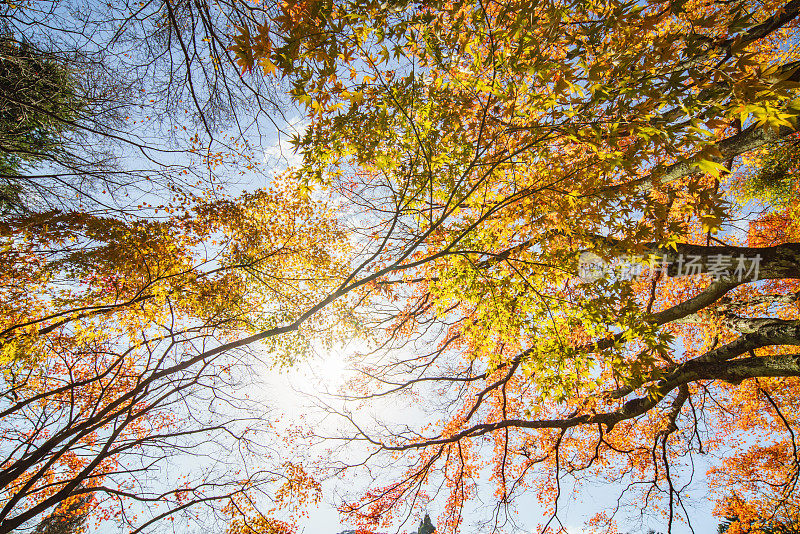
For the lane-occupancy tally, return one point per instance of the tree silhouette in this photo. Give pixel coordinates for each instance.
(425, 526)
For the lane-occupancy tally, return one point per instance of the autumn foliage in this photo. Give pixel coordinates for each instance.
(496, 147)
(462, 165)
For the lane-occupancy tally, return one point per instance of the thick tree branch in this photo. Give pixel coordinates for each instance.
(717, 364)
(729, 371)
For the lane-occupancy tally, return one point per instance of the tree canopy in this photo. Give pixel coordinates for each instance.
(40, 100)
(499, 149)
(563, 234)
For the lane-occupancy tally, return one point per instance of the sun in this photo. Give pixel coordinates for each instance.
(326, 371)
